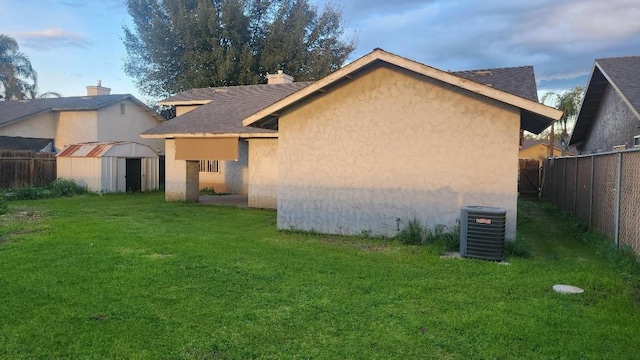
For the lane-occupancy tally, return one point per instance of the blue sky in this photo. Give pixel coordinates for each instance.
(73, 43)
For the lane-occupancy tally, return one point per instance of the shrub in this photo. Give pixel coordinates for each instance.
(413, 234)
(417, 234)
(67, 188)
(450, 239)
(31, 193)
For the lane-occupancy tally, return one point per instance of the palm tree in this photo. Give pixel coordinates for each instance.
(569, 103)
(18, 79)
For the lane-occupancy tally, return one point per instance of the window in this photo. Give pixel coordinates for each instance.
(122, 108)
(209, 166)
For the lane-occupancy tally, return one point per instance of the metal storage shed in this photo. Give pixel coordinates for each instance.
(112, 166)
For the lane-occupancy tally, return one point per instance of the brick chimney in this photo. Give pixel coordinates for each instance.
(279, 78)
(98, 90)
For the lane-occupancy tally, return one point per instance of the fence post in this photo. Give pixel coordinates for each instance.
(617, 209)
(593, 163)
(575, 187)
(564, 182)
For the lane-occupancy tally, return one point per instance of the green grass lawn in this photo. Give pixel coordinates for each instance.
(132, 277)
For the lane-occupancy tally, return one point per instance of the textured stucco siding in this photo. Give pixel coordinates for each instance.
(263, 173)
(232, 176)
(114, 126)
(389, 147)
(76, 127)
(183, 109)
(181, 176)
(39, 126)
(614, 124)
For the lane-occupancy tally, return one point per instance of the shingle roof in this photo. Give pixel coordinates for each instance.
(228, 107)
(519, 81)
(623, 73)
(23, 143)
(225, 107)
(15, 110)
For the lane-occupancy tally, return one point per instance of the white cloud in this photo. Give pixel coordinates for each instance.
(50, 39)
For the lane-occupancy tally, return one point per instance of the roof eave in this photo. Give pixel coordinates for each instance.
(209, 135)
(183, 102)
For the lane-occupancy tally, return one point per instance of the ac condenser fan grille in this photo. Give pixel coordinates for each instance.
(482, 232)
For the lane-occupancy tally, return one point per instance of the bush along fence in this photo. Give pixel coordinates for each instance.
(602, 190)
(20, 168)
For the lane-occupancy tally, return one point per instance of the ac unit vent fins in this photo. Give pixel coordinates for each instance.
(482, 231)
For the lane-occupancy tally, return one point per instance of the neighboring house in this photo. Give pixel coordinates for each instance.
(380, 142)
(110, 166)
(539, 150)
(609, 117)
(208, 128)
(26, 143)
(98, 116)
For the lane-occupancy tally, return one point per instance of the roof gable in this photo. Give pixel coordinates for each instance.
(622, 74)
(535, 117)
(15, 110)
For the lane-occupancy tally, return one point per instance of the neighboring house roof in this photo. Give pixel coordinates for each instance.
(528, 143)
(15, 110)
(25, 143)
(535, 117)
(622, 73)
(519, 81)
(101, 148)
(222, 111)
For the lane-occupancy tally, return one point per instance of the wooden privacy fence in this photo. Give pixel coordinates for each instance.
(528, 178)
(602, 190)
(20, 168)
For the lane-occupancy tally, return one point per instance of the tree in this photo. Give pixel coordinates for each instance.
(182, 44)
(568, 102)
(18, 79)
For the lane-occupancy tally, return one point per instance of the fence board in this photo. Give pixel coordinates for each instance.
(22, 168)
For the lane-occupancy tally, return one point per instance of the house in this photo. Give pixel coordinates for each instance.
(208, 130)
(380, 142)
(26, 143)
(110, 166)
(539, 150)
(609, 118)
(99, 116)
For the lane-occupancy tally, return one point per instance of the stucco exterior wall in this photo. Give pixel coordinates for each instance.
(263, 173)
(390, 147)
(114, 126)
(183, 109)
(76, 127)
(614, 124)
(181, 176)
(39, 126)
(232, 176)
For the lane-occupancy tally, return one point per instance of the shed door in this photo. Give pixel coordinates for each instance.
(134, 175)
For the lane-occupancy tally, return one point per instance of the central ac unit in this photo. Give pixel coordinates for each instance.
(482, 232)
